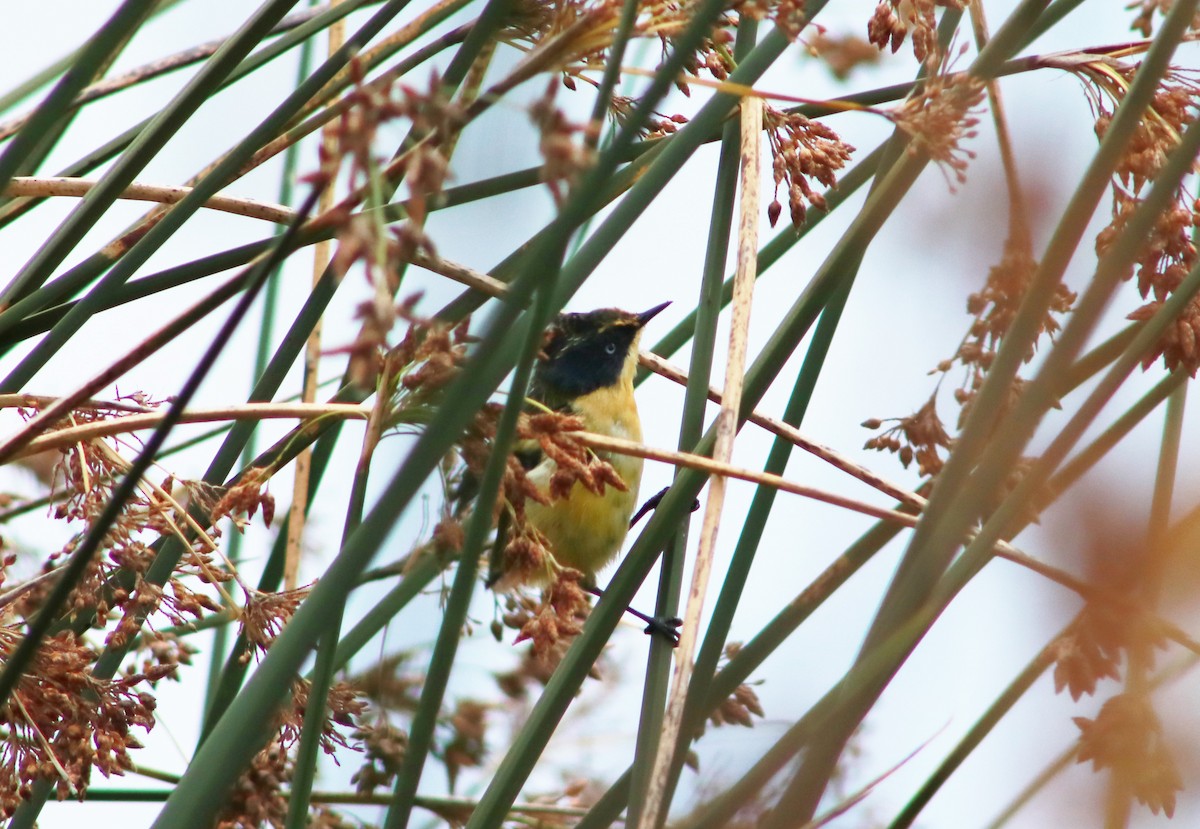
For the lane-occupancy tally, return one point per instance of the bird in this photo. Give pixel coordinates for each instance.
(586, 369)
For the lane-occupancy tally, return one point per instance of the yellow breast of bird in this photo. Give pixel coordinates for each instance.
(586, 530)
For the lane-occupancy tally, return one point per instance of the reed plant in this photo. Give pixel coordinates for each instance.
(192, 403)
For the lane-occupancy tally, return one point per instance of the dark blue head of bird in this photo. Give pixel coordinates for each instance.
(585, 352)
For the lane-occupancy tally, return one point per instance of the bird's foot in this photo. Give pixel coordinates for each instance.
(666, 627)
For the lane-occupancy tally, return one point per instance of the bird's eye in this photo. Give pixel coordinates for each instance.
(610, 348)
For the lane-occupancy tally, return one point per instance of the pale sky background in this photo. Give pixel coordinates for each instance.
(905, 315)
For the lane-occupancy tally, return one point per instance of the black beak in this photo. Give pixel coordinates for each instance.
(646, 316)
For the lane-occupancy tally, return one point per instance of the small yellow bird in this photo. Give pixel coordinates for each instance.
(586, 369)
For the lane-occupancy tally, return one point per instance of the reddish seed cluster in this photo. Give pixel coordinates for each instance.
(536, 667)
(550, 639)
(657, 126)
(165, 651)
(713, 56)
(1148, 9)
(802, 150)
(559, 617)
(1126, 736)
(343, 706)
(893, 20)
(939, 117)
(576, 464)
(264, 616)
(467, 746)
(996, 305)
(788, 15)
(526, 556)
(61, 722)
(1092, 649)
(85, 479)
(259, 798)
(1104, 634)
(384, 746)
(428, 358)
(245, 498)
(921, 437)
(842, 54)
(7, 559)
(476, 450)
(434, 121)
(1169, 253)
(576, 35)
(422, 166)
(391, 684)
(994, 308)
(565, 157)
(1177, 347)
(581, 29)
(739, 708)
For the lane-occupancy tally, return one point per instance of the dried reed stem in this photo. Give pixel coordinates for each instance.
(727, 425)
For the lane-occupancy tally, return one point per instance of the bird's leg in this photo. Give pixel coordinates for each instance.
(652, 504)
(667, 627)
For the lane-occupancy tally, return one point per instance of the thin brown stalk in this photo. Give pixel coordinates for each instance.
(40, 401)
(1003, 549)
(621, 446)
(459, 273)
(259, 411)
(1017, 214)
(49, 749)
(251, 208)
(322, 253)
(167, 334)
(308, 411)
(147, 420)
(42, 187)
(10, 596)
(654, 810)
(794, 436)
(118, 247)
